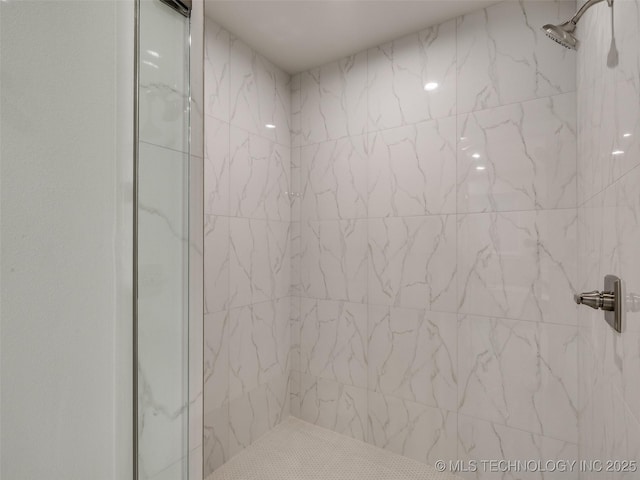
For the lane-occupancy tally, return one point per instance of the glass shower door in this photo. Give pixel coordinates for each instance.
(162, 242)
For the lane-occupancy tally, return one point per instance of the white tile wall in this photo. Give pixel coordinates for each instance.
(465, 275)
(431, 310)
(609, 205)
(247, 246)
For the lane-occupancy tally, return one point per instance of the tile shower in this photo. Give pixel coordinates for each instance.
(392, 240)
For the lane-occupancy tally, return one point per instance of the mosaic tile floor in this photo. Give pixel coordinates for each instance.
(296, 450)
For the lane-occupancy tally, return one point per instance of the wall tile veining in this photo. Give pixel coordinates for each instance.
(424, 242)
(435, 241)
(609, 205)
(247, 254)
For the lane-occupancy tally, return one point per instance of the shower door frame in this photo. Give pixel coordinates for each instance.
(184, 8)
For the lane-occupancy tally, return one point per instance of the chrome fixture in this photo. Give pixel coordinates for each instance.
(564, 33)
(609, 300)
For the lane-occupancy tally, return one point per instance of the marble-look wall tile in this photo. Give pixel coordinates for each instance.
(248, 246)
(518, 265)
(259, 261)
(398, 72)
(608, 428)
(216, 439)
(334, 260)
(504, 56)
(295, 322)
(608, 176)
(518, 157)
(413, 262)
(482, 440)
(256, 412)
(333, 341)
(216, 263)
(216, 167)
(260, 98)
(329, 404)
(520, 374)
(334, 100)
(621, 257)
(591, 178)
(216, 70)
(294, 393)
(295, 188)
(608, 120)
(259, 345)
(295, 246)
(413, 355)
(259, 177)
(416, 431)
(216, 360)
(609, 235)
(334, 179)
(412, 170)
(296, 110)
(609, 128)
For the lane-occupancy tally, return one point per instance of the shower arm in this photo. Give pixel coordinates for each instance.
(590, 3)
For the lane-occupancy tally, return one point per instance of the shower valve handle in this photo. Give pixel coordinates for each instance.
(596, 300)
(609, 300)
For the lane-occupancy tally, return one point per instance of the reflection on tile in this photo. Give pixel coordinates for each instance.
(329, 404)
(413, 78)
(412, 170)
(162, 265)
(334, 100)
(520, 374)
(413, 262)
(518, 157)
(412, 355)
(163, 78)
(333, 341)
(334, 260)
(504, 56)
(260, 99)
(334, 179)
(423, 433)
(519, 265)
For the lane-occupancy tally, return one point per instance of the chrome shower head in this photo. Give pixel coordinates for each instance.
(562, 34)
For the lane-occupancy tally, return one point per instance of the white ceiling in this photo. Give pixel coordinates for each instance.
(299, 34)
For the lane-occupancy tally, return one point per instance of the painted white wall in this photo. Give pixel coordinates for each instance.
(66, 160)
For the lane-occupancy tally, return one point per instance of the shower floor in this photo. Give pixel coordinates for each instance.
(297, 450)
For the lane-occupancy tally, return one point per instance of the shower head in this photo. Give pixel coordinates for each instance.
(562, 34)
